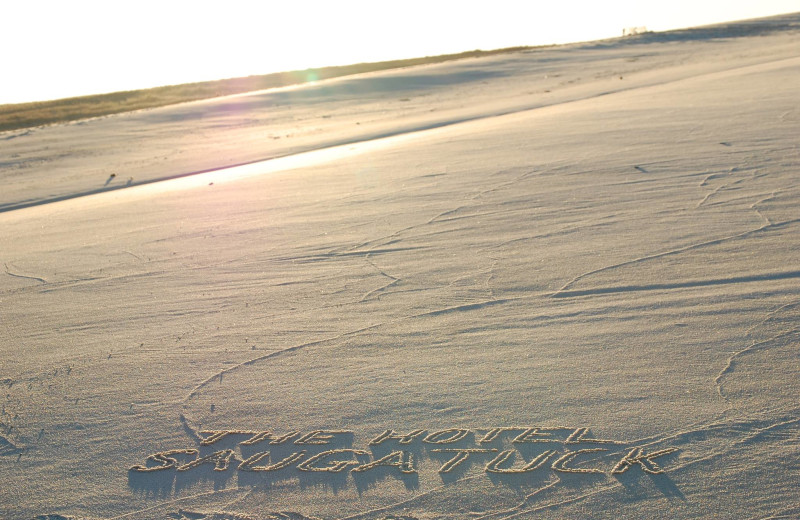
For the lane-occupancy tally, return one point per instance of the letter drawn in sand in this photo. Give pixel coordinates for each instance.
(446, 436)
(220, 459)
(645, 460)
(536, 463)
(165, 458)
(460, 456)
(320, 436)
(534, 435)
(561, 463)
(335, 465)
(493, 434)
(283, 438)
(391, 435)
(256, 438)
(580, 435)
(397, 459)
(213, 436)
(250, 463)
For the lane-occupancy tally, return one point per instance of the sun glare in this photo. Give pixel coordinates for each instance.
(62, 49)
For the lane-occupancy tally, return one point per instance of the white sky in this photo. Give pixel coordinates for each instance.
(61, 48)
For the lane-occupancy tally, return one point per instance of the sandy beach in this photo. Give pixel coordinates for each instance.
(559, 283)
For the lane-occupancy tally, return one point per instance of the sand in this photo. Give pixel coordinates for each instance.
(552, 284)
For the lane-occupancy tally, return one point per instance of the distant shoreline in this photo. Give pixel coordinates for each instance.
(19, 116)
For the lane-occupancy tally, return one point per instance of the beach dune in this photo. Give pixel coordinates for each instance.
(560, 283)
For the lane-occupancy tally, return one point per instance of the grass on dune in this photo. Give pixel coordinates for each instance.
(26, 115)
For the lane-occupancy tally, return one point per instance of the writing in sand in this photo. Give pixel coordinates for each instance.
(500, 451)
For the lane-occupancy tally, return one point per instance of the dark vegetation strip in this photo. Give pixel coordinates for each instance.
(26, 115)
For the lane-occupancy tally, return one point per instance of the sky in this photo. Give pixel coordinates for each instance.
(60, 48)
